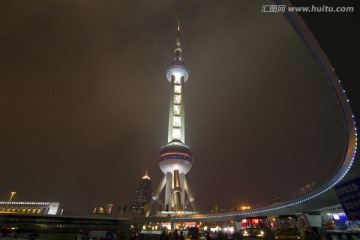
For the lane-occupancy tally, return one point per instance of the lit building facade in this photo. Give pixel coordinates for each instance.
(47, 208)
(103, 210)
(142, 197)
(175, 158)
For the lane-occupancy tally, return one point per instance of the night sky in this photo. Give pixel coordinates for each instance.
(84, 100)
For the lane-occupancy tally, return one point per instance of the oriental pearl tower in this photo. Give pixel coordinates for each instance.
(175, 158)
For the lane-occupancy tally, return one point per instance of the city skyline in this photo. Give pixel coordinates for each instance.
(84, 100)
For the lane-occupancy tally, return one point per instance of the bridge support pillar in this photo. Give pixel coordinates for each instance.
(236, 225)
(313, 219)
(173, 226)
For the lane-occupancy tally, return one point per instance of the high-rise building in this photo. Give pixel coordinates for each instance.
(175, 158)
(142, 197)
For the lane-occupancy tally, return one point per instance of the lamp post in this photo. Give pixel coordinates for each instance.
(11, 196)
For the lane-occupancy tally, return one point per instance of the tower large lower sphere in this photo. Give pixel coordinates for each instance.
(175, 158)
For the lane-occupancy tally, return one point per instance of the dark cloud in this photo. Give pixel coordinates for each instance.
(84, 101)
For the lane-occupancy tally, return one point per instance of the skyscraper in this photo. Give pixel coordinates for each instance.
(175, 158)
(142, 197)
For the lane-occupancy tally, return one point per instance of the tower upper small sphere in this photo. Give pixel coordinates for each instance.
(177, 68)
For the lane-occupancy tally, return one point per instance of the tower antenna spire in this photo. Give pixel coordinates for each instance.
(178, 48)
(178, 35)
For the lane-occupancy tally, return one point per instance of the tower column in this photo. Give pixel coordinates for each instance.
(171, 110)
(168, 192)
(176, 110)
(177, 191)
(182, 110)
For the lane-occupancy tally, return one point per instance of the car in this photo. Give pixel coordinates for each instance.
(256, 228)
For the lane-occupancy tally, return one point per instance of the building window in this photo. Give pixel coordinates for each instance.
(177, 89)
(177, 122)
(176, 134)
(177, 110)
(177, 99)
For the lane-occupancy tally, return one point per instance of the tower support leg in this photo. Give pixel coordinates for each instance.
(155, 197)
(190, 195)
(182, 181)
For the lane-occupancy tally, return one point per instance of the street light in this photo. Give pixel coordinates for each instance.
(11, 196)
